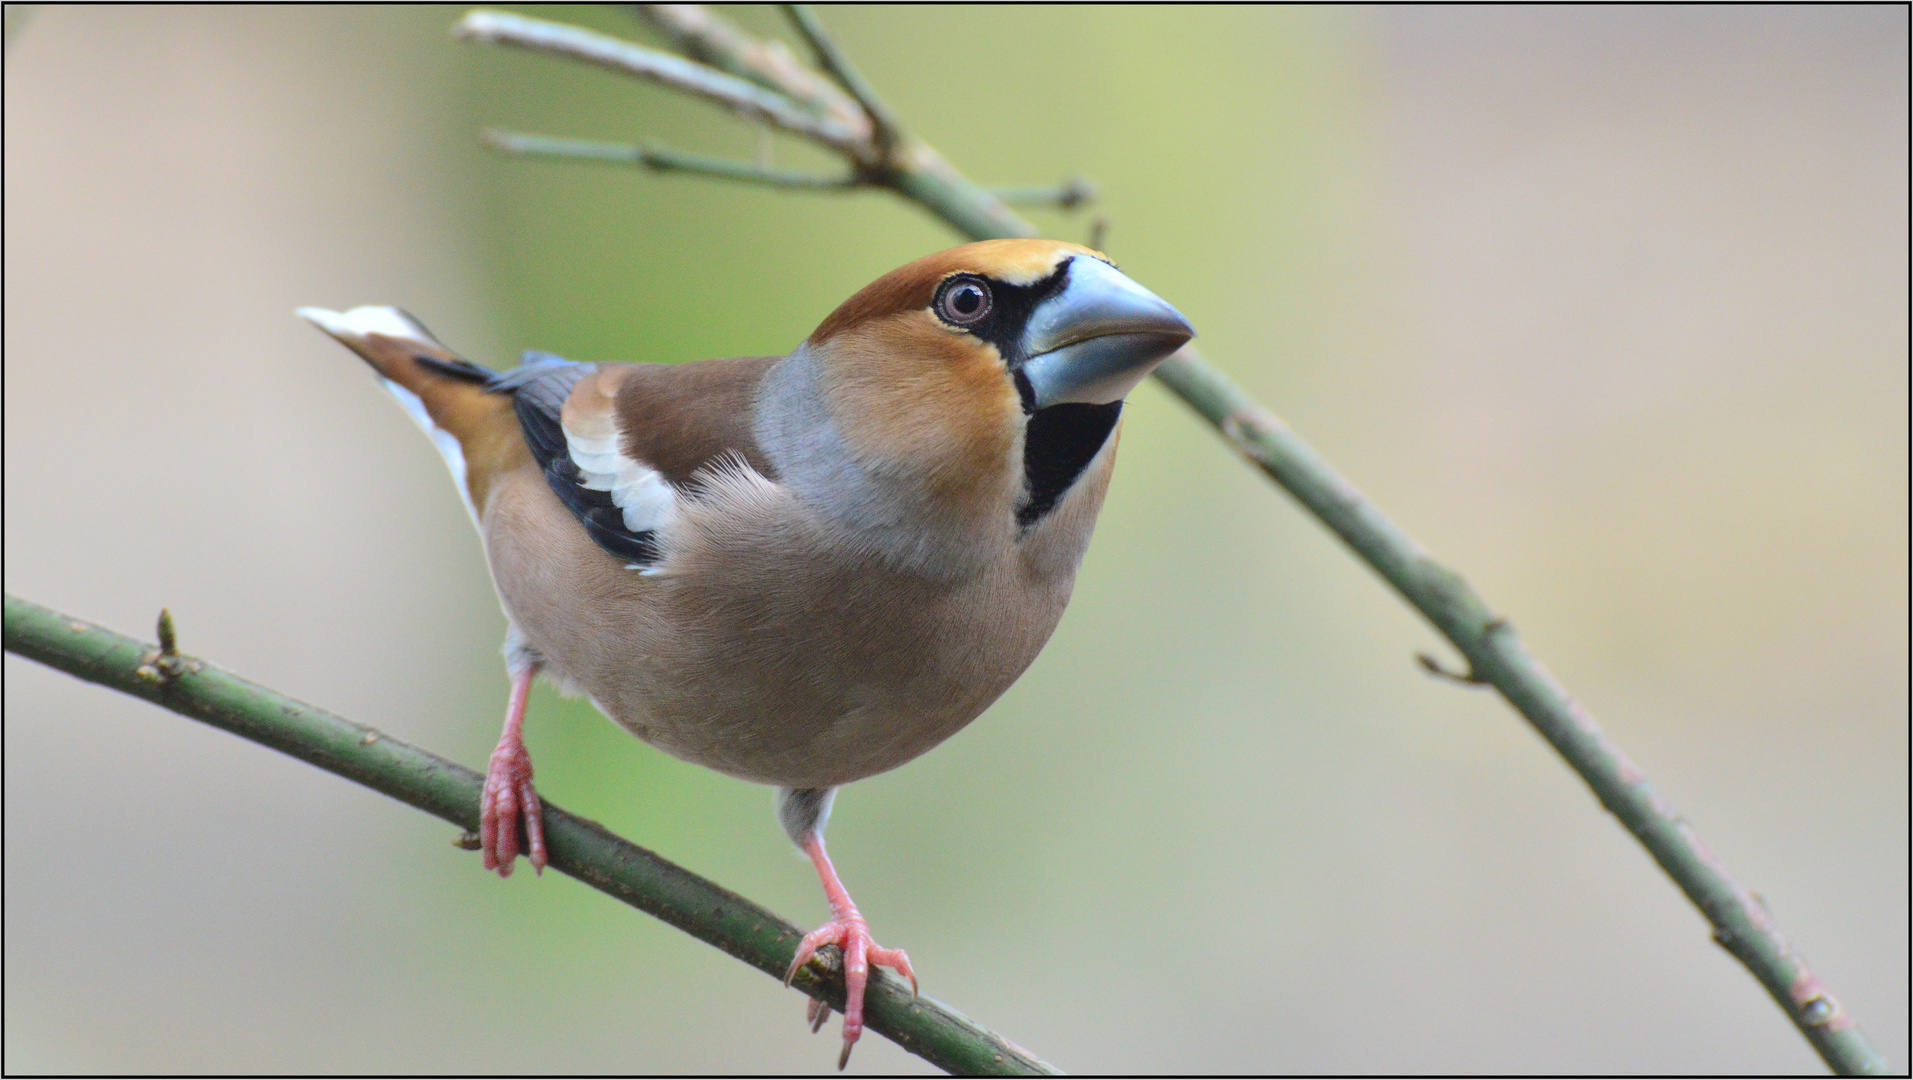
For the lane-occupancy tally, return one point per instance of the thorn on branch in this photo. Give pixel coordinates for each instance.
(1472, 677)
(1434, 667)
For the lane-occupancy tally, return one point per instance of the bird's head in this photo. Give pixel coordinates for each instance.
(940, 367)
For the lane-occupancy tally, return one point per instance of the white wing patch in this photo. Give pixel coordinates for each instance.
(646, 499)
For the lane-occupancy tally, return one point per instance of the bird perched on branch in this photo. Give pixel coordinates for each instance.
(798, 570)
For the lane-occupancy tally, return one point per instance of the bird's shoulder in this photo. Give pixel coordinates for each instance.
(676, 418)
(621, 444)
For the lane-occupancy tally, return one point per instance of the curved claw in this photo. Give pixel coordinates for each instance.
(899, 961)
(818, 1013)
(807, 948)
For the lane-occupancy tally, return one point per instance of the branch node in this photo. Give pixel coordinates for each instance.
(164, 664)
(467, 841)
(711, 39)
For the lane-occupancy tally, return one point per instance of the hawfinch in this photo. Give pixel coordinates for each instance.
(797, 570)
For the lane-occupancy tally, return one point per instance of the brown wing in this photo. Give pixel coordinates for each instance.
(680, 418)
(619, 443)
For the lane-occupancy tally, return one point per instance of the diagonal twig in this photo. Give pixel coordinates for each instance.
(579, 847)
(886, 131)
(746, 98)
(661, 159)
(1488, 641)
(712, 39)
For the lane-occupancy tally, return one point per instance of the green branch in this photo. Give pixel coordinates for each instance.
(1494, 653)
(1496, 657)
(579, 847)
(661, 159)
(886, 131)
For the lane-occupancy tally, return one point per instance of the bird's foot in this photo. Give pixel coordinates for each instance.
(850, 933)
(509, 794)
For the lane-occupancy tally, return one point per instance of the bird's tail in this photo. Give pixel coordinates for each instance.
(454, 400)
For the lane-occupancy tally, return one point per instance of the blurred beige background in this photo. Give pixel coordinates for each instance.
(1608, 307)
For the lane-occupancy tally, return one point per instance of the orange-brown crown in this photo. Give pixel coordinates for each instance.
(911, 286)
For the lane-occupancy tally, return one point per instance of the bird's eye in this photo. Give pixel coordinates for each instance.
(963, 302)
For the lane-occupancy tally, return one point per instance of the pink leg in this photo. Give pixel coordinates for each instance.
(848, 930)
(508, 790)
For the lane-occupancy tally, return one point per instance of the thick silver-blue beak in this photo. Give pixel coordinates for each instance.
(1099, 337)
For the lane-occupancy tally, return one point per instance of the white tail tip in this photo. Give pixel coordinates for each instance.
(354, 325)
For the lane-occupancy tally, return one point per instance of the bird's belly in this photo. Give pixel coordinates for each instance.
(803, 689)
(776, 666)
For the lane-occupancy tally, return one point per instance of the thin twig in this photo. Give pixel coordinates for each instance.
(887, 132)
(1067, 195)
(916, 171)
(1489, 643)
(661, 159)
(747, 99)
(711, 39)
(579, 847)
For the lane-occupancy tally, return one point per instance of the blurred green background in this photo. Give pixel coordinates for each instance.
(1607, 307)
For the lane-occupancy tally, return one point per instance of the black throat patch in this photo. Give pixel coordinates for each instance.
(1057, 446)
